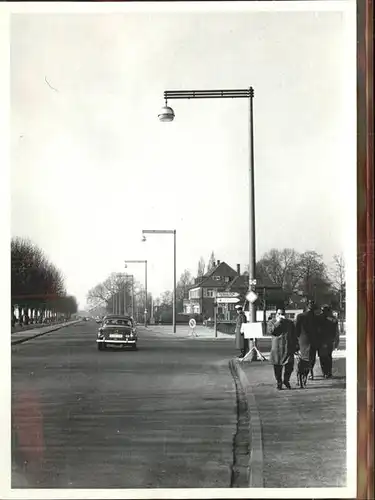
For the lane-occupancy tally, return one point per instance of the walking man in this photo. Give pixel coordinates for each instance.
(241, 342)
(329, 339)
(284, 346)
(307, 331)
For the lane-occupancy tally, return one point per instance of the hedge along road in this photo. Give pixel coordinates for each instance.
(161, 417)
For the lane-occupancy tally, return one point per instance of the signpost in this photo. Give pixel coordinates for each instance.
(227, 294)
(253, 331)
(227, 300)
(215, 319)
(251, 296)
(193, 324)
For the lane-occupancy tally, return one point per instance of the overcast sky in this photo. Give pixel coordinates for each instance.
(91, 165)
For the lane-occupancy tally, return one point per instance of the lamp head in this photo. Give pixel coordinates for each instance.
(143, 238)
(166, 114)
(126, 265)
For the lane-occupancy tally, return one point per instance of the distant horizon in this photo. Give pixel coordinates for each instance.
(194, 274)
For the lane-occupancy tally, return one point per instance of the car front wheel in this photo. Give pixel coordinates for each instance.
(101, 346)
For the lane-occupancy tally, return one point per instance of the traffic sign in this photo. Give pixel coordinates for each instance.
(253, 282)
(228, 300)
(251, 297)
(227, 294)
(192, 323)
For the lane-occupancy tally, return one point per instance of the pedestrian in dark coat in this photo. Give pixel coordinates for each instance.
(307, 331)
(329, 333)
(284, 346)
(241, 342)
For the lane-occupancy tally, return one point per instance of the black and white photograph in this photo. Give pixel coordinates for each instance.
(182, 236)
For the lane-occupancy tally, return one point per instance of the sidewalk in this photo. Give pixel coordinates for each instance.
(207, 333)
(184, 331)
(29, 333)
(18, 328)
(298, 436)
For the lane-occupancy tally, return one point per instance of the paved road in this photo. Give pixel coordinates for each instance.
(163, 417)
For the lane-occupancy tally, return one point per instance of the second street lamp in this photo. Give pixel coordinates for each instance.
(145, 263)
(167, 231)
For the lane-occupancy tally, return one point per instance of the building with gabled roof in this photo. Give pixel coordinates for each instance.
(202, 294)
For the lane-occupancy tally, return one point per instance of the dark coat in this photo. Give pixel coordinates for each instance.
(284, 341)
(308, 333)
(240, 340)
(329, 334)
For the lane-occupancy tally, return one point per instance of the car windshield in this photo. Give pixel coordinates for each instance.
(121, 321)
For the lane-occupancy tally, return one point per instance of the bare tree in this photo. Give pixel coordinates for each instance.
(211, 262)
(116, 288)
(338, 279)
(36, 284)
(305, 274)
(165, 304)
(313, 277)
(67, 306)
(201, 268)
(281, 267)
(337, 274)
(98, 295)
(186, 279)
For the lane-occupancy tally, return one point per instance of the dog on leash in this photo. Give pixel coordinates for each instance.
(303, 370)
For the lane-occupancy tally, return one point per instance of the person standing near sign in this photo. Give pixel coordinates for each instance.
(241, 342)
(284, 346)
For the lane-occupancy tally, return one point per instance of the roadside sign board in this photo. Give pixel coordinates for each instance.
(228, 300)
(227, 294)
(192, 323)
(252, 330)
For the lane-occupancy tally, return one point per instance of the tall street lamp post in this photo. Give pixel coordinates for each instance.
(145, 263)
(167, 115)
(168, 231)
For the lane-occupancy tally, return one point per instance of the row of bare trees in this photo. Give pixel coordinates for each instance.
(120, 294)
(304, 274)
(37, 287)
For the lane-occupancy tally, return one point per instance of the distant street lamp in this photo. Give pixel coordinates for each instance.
(167, 115)
(145, 263)
(132, 295)
(167, 231)
(121, 276)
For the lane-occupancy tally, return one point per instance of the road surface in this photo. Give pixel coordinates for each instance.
(161, 417)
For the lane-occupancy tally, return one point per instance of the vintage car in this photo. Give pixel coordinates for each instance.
(117, 330)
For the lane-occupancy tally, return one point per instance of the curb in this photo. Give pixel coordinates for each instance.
(255, 430)
(25, 339)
